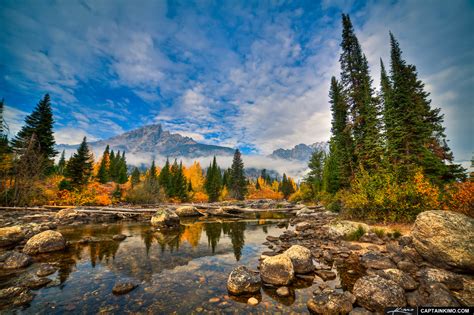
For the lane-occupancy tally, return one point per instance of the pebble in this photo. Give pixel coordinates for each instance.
(214, 300)
(252, 301)
(283, 291)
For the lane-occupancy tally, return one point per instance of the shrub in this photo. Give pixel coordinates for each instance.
(141, 194)
(459, 197)
(396, 233)
(356, 235)
(379, 232)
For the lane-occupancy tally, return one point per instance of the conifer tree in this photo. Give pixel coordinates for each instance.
(151, 180)
(364, 107)
(103, 173)
(257, 184)
(39, 122)
(61, 163)
(112, 165)
(4, 145)
(122, 176)
(286, 186)
(79, 167)
(135, 177)
(315, 175)
(165, 177)
(238, 182)
(213, 184)
(181, 185)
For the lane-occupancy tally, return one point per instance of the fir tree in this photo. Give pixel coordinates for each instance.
(315, 175)
(4, 145)
(237, 181)
(181, 186)
(103, 173)
(286, 186)
(112, 165)
(135, 177)
(213, 183)
(257, 184)
(122, 176)
(165, 177)
(364, 107)
(39, 122)
(79, 166)
(61, 163)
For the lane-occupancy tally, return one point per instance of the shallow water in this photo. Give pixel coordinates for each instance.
(178, 272)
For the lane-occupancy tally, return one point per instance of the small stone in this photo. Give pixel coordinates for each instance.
(252, 301)
(46, 270)
(119, 237)
(17, 260)
(36, 283)
(326, 274)
(330, 302)
(283, 291)
(123, 287)
(214, 300)
(376, 260)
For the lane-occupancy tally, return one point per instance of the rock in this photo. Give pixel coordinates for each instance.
(451, 280)
(407, 266)
(16, 296)
(331, 303)
(302, 226)
(241, 281)
(401, 278)
(277, 270)
(304, 211)
(46, 270)
(376, 293)
(371, 238)
(36, 283)
(119, 237)
(10, 236)
(434, 294)
(123, 287)
(252, 301)
(187, 211)
(66, 214)
(301, 258)
(343, 228)
(165, 218)
(44, 242)
(376, 260)
(283, 291)
(444, 238)
(17, 260)
(326, 274)
(360, 311)
(214, 300)
(272, 238)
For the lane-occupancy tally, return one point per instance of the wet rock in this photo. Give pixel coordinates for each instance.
(119, 237)
(434, 294)
(46, 270)
(214, 300)
(17, 260)
(252, 301)
(444, 238)
(331, 303)
(326, 274)
(47, 241)
(277, 270)
(36, 283)
(10, 236)
(165, 218)
(187, 211)
(360, 311)
(376, 260)
(401, 278)
(343, 228)
(375, 293)
(433, 275)
(16, 296)
(302, 226)
(272, 238)
(242, 280)
(301, 258)
(66, 215)
(304, 211)
(283, 291)
(123, 287)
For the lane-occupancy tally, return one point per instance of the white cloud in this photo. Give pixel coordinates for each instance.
(70, 135)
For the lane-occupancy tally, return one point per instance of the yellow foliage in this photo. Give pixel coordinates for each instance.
(265, 192)
(199, 196)
(195, 175)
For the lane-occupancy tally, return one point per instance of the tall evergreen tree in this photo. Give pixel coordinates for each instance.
(364, 107)
(135, 177)
(315, 175)
(61, 163)
(4, 145)
(238, 182)
(181, 185)
(213, 183)
(388, 111)
(103, 173)
(286, 186)
(165, 177)
(122, 174)
(112, 165)
(151, 183)
(39, 122)
(80, 165)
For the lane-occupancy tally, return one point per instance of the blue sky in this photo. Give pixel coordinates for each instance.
(253, 75)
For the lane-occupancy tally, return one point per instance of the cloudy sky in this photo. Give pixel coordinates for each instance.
(252, 75)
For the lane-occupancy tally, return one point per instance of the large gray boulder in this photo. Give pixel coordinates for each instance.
(277, 270)
(11, 235)
(301, 258)
(445, 239)
(44, 242)
(187, 211)
(376, 293)
(165, 218)
(243, 281)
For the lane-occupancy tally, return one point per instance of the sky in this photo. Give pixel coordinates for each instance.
(246, 74)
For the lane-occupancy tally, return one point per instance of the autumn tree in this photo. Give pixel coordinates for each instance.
(80, 165)
(237, 180)
(286, 186)
(213, 183)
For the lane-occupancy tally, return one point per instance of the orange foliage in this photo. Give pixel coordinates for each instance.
(265, 191)
(199, 197)
(459, 197)
(194, 174)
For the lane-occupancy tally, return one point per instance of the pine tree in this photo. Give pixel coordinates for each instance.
(4, 145)
(257, 184)
(112, 165)
(181, 188)
(315, 175)
(103, 173)
(165, 177)
(122, 176)
(135, 177)
(238, 182)
(286, 186)
(213, 184)
(61, 163)
(79, 166)
(389, 111)
(39, 122)
(364, 107)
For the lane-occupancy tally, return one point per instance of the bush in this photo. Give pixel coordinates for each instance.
(356, 235)
(379, 232)
(141, 194)
(65, 185)
(459, 197)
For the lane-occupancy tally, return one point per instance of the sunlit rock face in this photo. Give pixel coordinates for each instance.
(300, 152)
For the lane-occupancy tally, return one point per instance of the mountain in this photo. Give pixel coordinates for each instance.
(153, 139)
(300, 152)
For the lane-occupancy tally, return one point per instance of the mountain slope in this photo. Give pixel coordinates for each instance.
(300, 152)
(153, 139)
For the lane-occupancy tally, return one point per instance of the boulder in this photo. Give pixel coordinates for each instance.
(17, 260)
(16, 296)
(46, 270)
(401, 278)
(326, 274)
(119, 237)
(376, 260)
(187, 211)
(277, 270)
(242, 280)
(376, 293)
(47, 241)
(444, 238)
(301, 258)
(123, 287)
(10, 236)
(304, 212)
(343, 228)
(66, 214)
(165, 218)
(433, 275)
(302, 226)
(331, 303)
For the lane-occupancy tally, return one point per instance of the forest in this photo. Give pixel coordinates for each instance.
(388, 157)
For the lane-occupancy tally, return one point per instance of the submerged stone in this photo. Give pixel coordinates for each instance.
(242, 280)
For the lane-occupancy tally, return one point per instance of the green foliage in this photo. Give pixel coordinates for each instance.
(103, 174)
(65, 185)
(356, 235)
(79, 166)
(213, 183)
(145, 193)
(237, 180)
(286, 187)
(379, 232)
(314, 179)
(396, 233)
(60, 168)
(135, 177)
(179, 186)
(4, 145)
